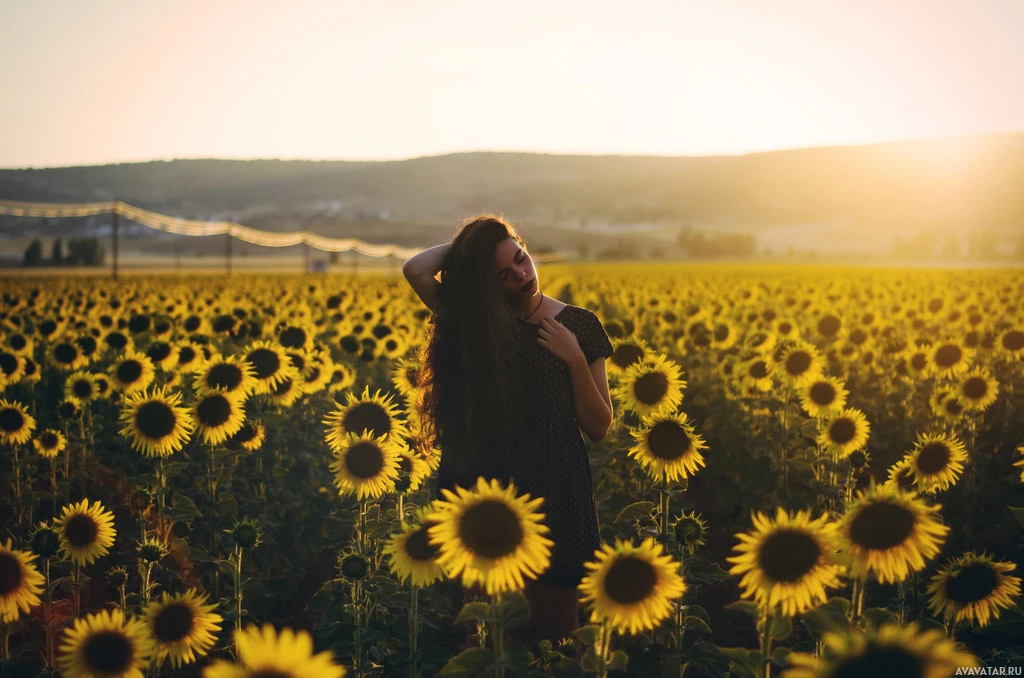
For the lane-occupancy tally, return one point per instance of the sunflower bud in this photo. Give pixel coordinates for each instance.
(354, 567)
(152, 551)
(180, 529)
(140, 500)
(69, 410)
(45, 542)
(858, 459)
(117, 576)
(246, 534)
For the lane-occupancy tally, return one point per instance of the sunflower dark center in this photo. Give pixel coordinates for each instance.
(948, 355)
(934, 457)
(823, 393)
(266, 362)
(630, 580)
(8, 363)
(139, 323)
(418, 546)
(953, 406)
(972, 584)
(798, 362)
(49, 440)
(881, 662)
(192, 323)
(155, 419)
(81, 530)
(1013, 340)
(65, 353)
(18, 342)
(842, 430)
(129, 371)
(722, 332)
(787, 555)
(935, 305)
(173, 623)
(364, 460)
(186, 354)
(881, 526)
(214, 410)
(223, 324)
(11, 420)
(116, 340)
(108, 652)
(270, 673)
(904, 480)
(159, 351)
(858, 337)
(491, 529)
(627, 354)
(919, 361)
(975, 388)
(667, 440)
(369, 416)
(829, 325)
(10, 573)
(47, 327)
(224, 375)
(246, 433)
(650, 388)
(82, 388)
(293, 337)
(758, 369)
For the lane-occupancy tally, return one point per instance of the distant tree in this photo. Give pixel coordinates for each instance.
(33, 254)
(57, 256)
(85, 252)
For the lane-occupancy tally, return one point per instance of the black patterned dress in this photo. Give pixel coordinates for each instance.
(552, 459)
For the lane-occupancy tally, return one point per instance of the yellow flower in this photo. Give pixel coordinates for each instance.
(936, 461)
(365, 466)
(265, 653)
(651, 385)
(787, 562)
(105, 644)
(376, 413)
(977, 389)
(20, 583)
(16, 424)
(50, 443)
(132, 372)
(218, 415)
(632, 587)
(412, 556)
(973, 588)
(86, 531)
(845, 431)
(823, 396)
(490, 535)
(668, 445)
(155, 422)
(182, 626)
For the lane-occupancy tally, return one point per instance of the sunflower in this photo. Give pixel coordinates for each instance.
(86, 531)
(632, 587)
(823, 396)
(799, 363)
(265, 653)
(668, 447)
(950, 358)
(377, 414)
(218, 415)
(16, 424)
(20, 343)
(117, 341)
(232, 375)
(80, 387)
(845, 431)
(132, 372)
(156, 423)
(937, 461)
(1011, 342)
(163, 354)
(12, 366)
(917, 361)
(948, 406)
(20, 582)
(105, 644)
(342, 377)
(411, 556)
(65, 355)
(183, 627)
(973, 588)
(977, 389)
(287, 391)
(250, 436)
(412, 470)
(270, 363)
(890, 533)
(102, 383)
(626, 352)
(295, 336)
(901, 475)
(365, 466)
(405, 376)
(1020, 462)
(316, 375)
(724, 335)
(891, 650)
(788, 562)
(756, 372)
(490, 535)
(651, 385)
(50, 443)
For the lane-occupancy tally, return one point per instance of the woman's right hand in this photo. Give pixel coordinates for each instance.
(420, 270)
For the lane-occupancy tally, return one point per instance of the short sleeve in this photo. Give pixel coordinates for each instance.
(592, 338)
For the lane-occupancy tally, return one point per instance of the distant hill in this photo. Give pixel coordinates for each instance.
(943, 185)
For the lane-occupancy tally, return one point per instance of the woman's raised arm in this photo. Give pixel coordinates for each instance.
(420, 270)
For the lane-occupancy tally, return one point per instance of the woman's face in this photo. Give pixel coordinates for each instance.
(515, 273)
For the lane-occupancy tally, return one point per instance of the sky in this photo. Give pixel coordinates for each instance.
(127, 81)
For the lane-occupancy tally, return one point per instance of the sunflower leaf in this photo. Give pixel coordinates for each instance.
(696, 624)
(635, 511)
(781, 626)
(589, 662)
(829, 616)
(514, 610)
(477, 610)
(472, 662)
(1018, 513)
(618, 661)
(184, 508)
(744, 662)
(744, 606)
(588, 634)
(878, 616)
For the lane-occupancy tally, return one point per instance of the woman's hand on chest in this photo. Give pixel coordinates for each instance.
(559, 340)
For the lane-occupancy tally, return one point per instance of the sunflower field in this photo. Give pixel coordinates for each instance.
(811, 472)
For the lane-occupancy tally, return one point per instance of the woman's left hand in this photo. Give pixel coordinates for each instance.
(556, 337)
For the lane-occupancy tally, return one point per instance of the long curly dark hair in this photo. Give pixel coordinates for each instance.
(471, 379)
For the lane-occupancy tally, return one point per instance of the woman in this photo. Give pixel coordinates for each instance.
(510, 377)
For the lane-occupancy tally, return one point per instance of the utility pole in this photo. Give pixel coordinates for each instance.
(227, 247)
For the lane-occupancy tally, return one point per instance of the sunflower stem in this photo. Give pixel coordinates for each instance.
(902, 598)
(53, 482)
(603, 643)
(76, 578)
(238, 587)
(498, 633)
(765, 619)
(414, 631)
(17, 481)
(47, 606)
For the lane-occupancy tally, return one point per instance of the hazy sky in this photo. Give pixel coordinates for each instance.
(134, 80)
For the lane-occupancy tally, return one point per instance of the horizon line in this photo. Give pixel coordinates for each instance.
(522, 152)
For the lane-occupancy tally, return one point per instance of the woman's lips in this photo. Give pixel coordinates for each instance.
(528, 286)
